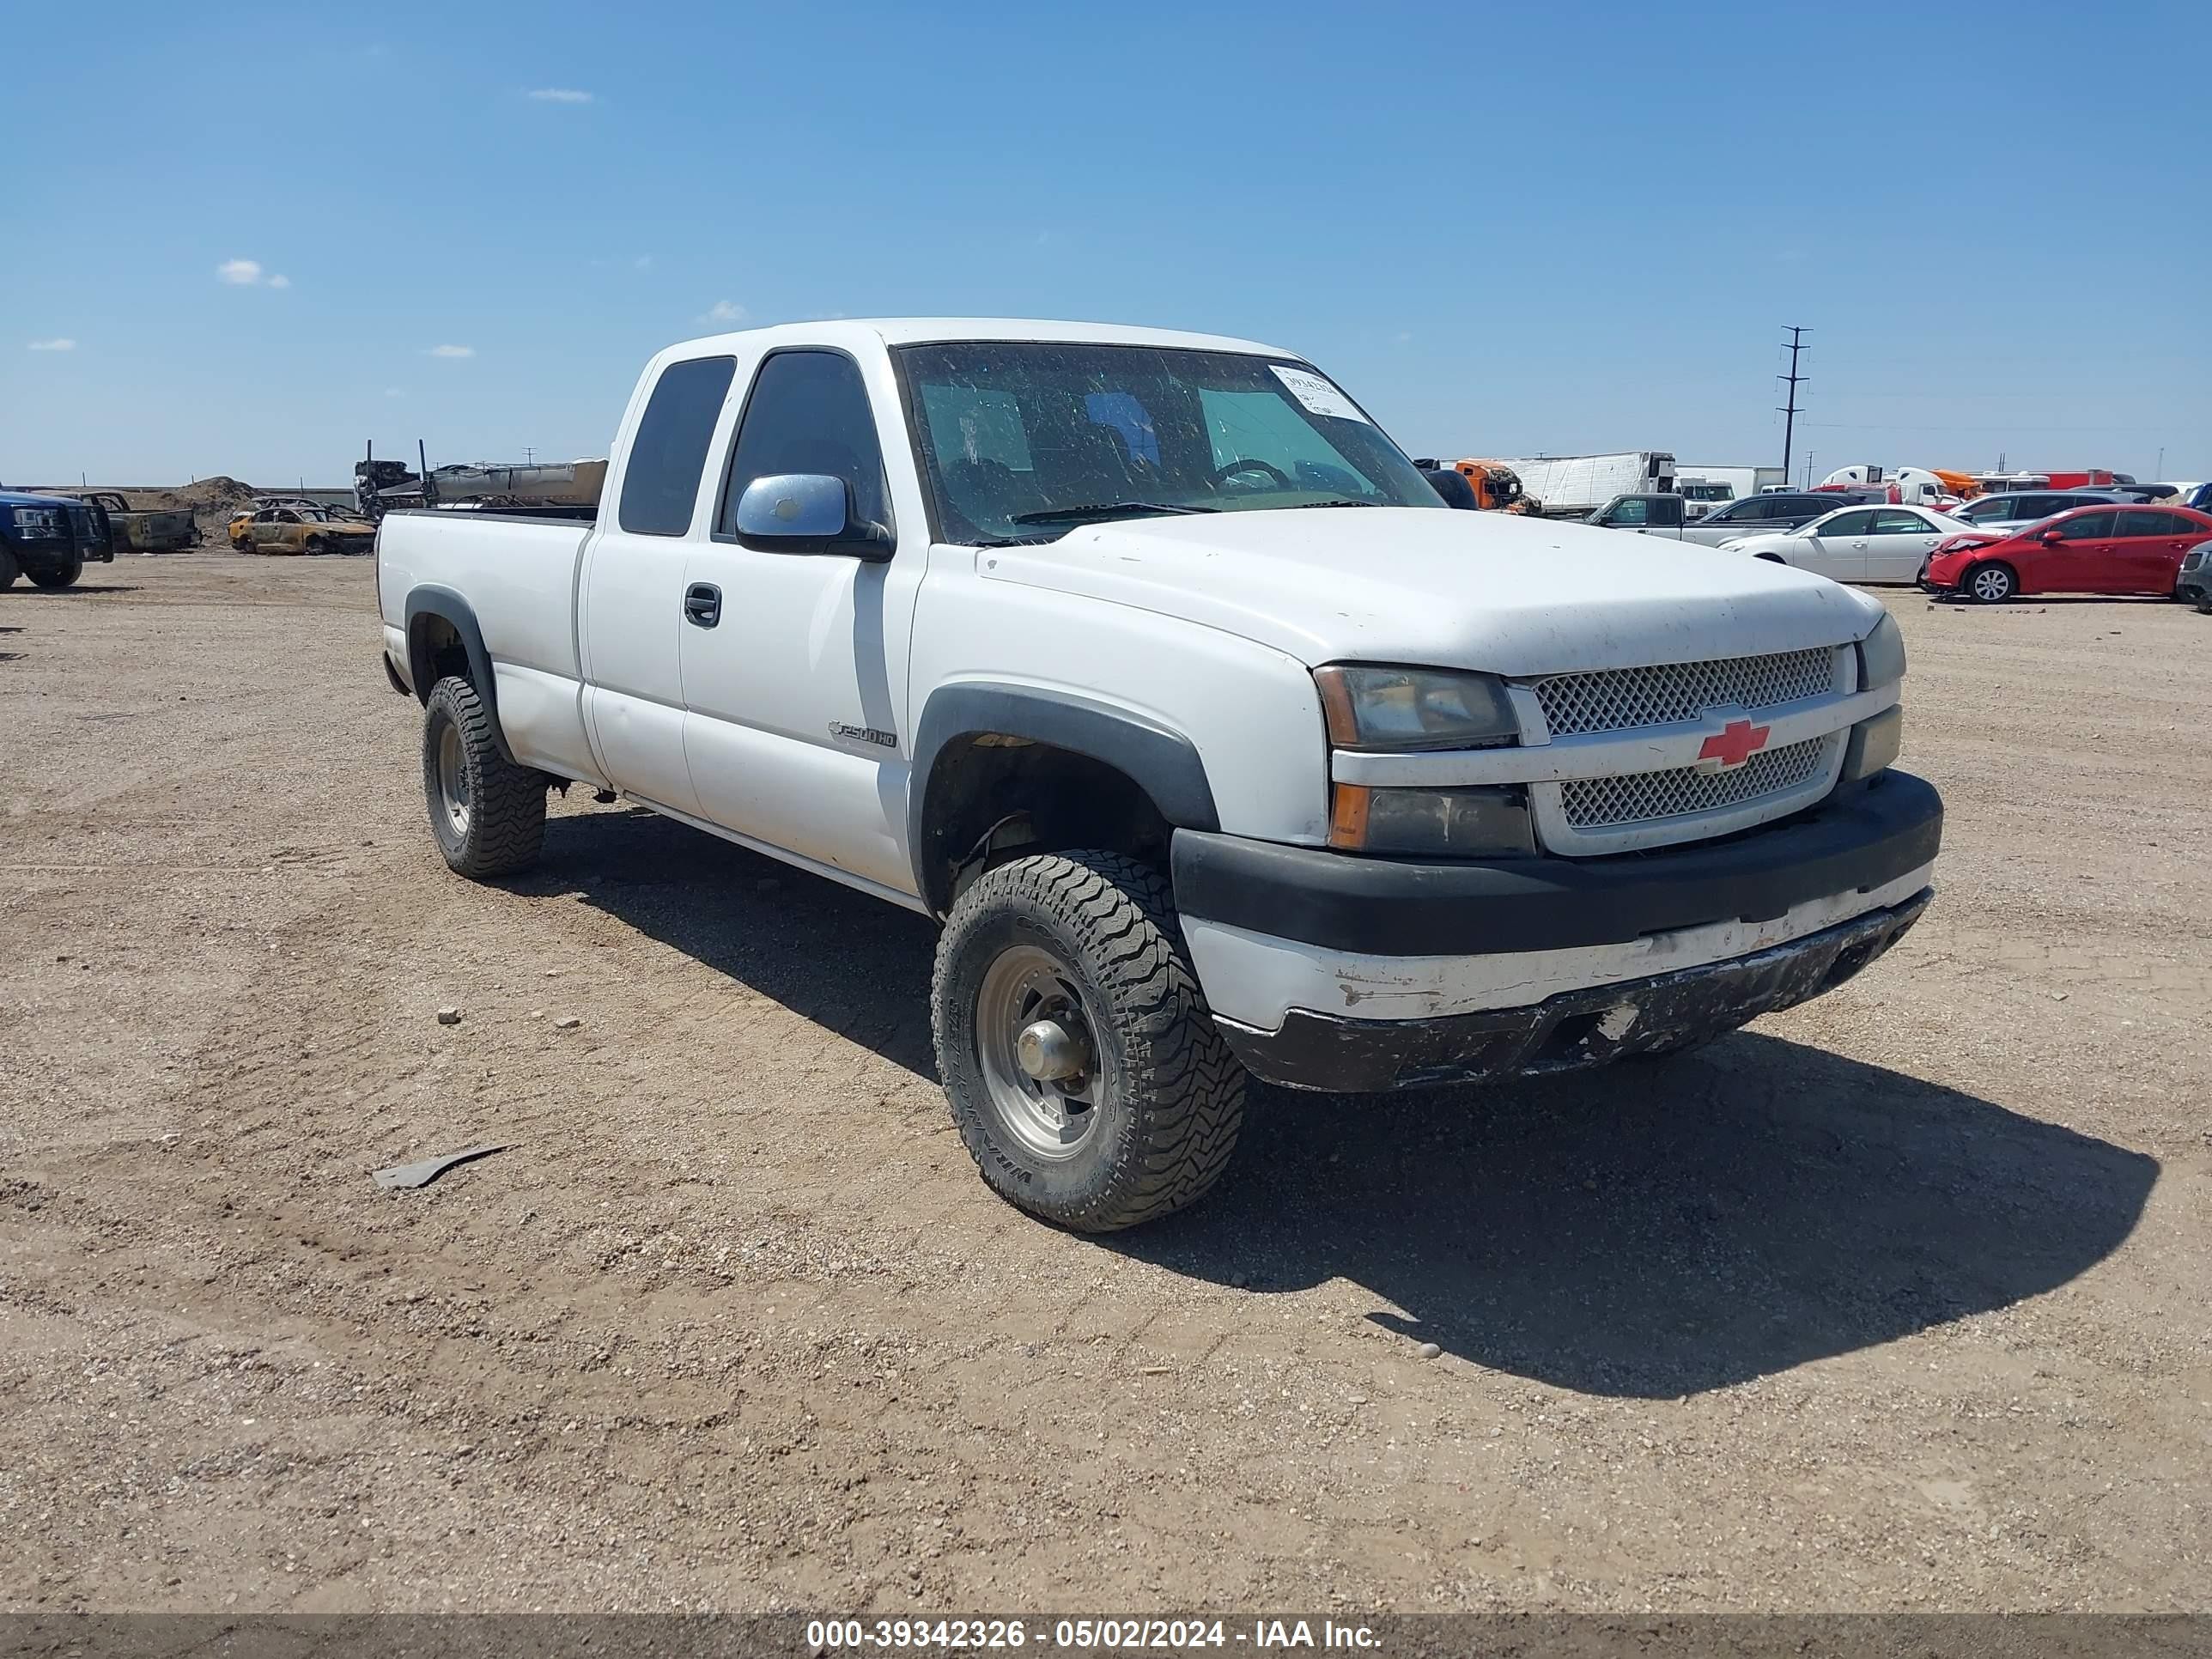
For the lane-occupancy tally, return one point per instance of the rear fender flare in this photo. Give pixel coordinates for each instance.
(444, 604)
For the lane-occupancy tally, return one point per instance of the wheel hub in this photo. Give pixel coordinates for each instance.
(454, 779)
(1040, 1061)
(1050, 1052)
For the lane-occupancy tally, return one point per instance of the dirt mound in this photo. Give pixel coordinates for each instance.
(221, 490)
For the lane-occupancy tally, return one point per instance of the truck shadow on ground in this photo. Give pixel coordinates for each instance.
(1648, 1231)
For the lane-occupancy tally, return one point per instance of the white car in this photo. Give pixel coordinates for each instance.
(1149, 665)
(1858, 543)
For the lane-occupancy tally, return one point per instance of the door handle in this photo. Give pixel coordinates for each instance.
(702, 605)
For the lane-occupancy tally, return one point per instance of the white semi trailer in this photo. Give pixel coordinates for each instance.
(1573, 486)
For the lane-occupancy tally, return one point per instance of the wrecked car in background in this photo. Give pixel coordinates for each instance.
(300, 527)
(144, 529)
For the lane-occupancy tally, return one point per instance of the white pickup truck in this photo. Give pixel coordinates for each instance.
(1152, 668)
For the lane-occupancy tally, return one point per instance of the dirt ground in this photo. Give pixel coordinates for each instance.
(1897, 1301)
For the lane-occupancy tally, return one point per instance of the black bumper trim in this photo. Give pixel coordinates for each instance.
(1569, 1031)
(1862, 838)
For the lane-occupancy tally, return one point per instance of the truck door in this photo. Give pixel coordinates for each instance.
(632, 618)
(795, 664)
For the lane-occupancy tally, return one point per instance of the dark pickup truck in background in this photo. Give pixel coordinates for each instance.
(51, 538)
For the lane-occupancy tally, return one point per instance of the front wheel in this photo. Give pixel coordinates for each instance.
(486, 813)
(61, 576)
(1083, 1071)
(7, 569)
(1992, 584)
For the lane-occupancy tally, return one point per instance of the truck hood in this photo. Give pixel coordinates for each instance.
(1486, 591)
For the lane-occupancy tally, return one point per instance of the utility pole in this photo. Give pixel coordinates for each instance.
(529, 456)
(1788, 410)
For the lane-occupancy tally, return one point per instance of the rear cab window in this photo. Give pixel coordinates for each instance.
(668, 451)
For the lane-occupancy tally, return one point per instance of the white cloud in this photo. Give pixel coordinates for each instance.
(724, 311)
(280, 282)
(239, 273)
(561, 95)
(643, 262)
(56, 344)
(451, 351)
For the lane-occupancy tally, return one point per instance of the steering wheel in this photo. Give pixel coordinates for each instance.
(1224, 473)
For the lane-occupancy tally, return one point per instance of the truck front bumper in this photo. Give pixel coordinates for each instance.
(1330, 972)
(1573, 1029)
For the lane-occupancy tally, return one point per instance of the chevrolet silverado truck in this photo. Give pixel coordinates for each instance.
(1150, 668)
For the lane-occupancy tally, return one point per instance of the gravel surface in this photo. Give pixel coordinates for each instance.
(1896, 1301)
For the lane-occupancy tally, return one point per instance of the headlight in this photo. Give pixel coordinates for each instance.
(1881, 655)
(1485, 823)
(1401, 709)
(38, 523)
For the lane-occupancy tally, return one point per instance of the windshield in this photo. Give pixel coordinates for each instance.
(1023, 440)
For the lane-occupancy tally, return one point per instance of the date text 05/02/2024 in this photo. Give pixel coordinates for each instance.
(829, 1635)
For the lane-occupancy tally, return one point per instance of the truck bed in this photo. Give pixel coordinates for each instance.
(519, 573)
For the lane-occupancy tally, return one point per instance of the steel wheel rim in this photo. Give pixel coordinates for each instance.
(1990, 585)
(454, 779)
(1051, 1120)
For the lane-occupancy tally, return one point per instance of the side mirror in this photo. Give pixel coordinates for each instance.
(807, 512)
(2052, 538)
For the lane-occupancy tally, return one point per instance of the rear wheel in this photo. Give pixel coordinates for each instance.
(486, 813)
(1991, 584)
(60, 576)
(317, 545)
(1084, 1072)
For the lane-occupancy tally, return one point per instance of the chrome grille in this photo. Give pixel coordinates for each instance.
(1620, 699)
(1610, 802)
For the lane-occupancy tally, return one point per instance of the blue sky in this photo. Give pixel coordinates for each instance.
(1505, 230)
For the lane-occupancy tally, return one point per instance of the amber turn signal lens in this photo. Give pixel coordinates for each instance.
(1347, 817)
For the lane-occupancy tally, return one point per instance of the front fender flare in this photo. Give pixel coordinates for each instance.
(1161, 761)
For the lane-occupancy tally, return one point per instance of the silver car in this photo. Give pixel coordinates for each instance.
(2017, 508)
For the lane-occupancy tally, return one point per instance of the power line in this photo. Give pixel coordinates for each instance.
(1789, 411)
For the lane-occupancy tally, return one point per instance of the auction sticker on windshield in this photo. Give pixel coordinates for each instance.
(1318, 393)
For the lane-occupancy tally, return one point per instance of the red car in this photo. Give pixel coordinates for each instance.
(2086, 550)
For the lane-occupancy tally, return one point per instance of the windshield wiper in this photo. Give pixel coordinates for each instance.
(1104, 510)
(1302, 505)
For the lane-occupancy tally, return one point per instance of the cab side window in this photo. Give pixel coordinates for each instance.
(1634, 513)
(1848, 524)
(660, 480)
(1899, 524)
(2152, 524)
(808, 412)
